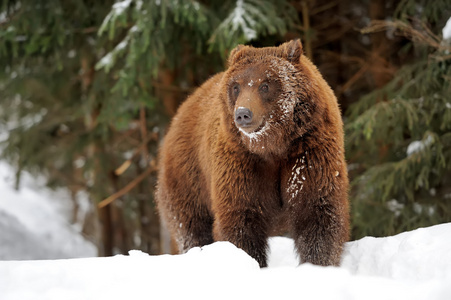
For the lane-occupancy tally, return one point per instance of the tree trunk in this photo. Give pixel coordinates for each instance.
(93, 152)
(169, 98)
(307, 29)
(380, 47)
(107, 234)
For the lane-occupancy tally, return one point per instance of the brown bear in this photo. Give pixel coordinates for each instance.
(258, 150)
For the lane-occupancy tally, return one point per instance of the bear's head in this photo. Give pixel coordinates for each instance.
(270, 96)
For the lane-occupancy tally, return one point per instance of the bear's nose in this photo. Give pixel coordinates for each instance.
(243, 116)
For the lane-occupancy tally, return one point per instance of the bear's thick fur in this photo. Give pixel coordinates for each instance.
(255, 151)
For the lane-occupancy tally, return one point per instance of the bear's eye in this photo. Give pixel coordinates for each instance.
(264, 87)
(236, 89)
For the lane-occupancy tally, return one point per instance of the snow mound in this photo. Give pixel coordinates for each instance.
(34, 221)
(411, 265)
(420, 255)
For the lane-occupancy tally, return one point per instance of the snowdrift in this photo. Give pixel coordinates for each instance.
(34, 221)
(411, 265)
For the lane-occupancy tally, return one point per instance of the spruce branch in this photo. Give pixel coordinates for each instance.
(423, 35)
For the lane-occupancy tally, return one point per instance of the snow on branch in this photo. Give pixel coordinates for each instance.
(447, 30)
(240, 20)
(116, 13)
(249, 19)
(107, 61)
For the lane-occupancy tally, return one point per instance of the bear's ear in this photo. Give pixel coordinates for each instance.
(292, 50)
(233, 56)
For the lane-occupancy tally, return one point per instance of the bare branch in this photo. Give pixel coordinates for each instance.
(128, 187)
(423, 35)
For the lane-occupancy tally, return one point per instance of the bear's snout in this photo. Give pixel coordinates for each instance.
(243, 117)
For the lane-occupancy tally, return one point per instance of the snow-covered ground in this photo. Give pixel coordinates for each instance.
(411, 265)
(34, 221)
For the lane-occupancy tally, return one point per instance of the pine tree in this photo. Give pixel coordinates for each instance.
(399, 136)
(86, 88)
(200, 29)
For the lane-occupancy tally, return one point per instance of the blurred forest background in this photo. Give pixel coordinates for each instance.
(88, 88)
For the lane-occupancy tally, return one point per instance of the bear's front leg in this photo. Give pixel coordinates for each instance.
(316, 198)
(319, 231)
(243, 202)
(246, 229)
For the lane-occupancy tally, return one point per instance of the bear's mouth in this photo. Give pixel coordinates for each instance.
(262, 125)
(256, 132)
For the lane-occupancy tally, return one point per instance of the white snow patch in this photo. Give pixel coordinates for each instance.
(139, 4)
(447, 30)
(412, 265)
(34, 221)
(120, 7)
(295, 185)
(108, 59)
(417, 256)
(285, 71)
(134, 28)
(3, 17)
(394, 206)
(105, 61)
(418, 146)
(122, 45)
(241, 20)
